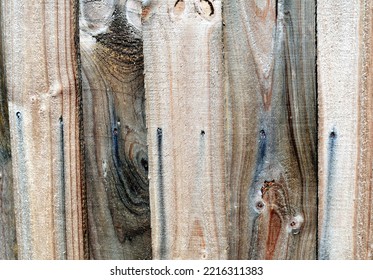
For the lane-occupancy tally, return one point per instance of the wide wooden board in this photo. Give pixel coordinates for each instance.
(42, 81)
(115, 131)
(271, 128)
(185, 119)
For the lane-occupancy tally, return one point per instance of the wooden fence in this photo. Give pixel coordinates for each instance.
(186, 129)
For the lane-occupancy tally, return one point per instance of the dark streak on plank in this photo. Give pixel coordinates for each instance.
(162, 210)
(324, 254)
(23, 214)
(8, 244)
(252, 211)
(60, 207)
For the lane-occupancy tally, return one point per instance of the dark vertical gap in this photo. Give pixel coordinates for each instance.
(317, 136)
(162, 212)
(9, 250)
(82, 166)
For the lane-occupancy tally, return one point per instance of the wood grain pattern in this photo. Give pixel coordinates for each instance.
(346, 129)
(43, 91)
(115, 130)
(271, 128)
(8, 247)
(185, 119)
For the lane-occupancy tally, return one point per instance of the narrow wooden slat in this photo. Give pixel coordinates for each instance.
(8, 249)
(41, 80)
(346, 129)
(271, 128)
(185, 119)
(115, 131)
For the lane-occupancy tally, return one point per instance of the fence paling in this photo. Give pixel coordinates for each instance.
(42, 84)
(115, 131)
(185, 119)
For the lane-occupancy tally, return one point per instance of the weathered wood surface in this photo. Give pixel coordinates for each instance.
(231, 126)
(345, 33)
(115, 130)
(185, 119)
(42, 82)
(8, 249)
(271, 147)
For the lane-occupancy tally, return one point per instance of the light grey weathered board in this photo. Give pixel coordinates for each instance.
(345, 129)
(42, 82)
(185, 119)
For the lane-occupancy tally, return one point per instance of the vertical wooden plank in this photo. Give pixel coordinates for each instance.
(185, 119)
(346, 129)
(115, 130)
(271, 128)
(42, 83)
(363, 219)
(8, 249)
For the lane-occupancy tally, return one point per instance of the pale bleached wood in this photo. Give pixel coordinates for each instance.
(8, 248)
(43, 90)
(345, 129)
(115, 131)
(271, 128)
(185, 119)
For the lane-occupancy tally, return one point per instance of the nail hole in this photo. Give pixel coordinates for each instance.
(115, 131)
(259, 205)
(18, 114)
(203, 132)
(332, 134)
(262, 134)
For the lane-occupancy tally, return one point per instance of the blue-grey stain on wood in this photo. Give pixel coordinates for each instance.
(60, 215)
(162, 210)
(324, 249)
(253, 223)
(24, 241)
(116, 148)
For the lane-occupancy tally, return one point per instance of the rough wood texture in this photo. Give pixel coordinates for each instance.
(42, 84)
(345, 129)
(185, 118)
(115, 130)
(271, 128)
(8, 249)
